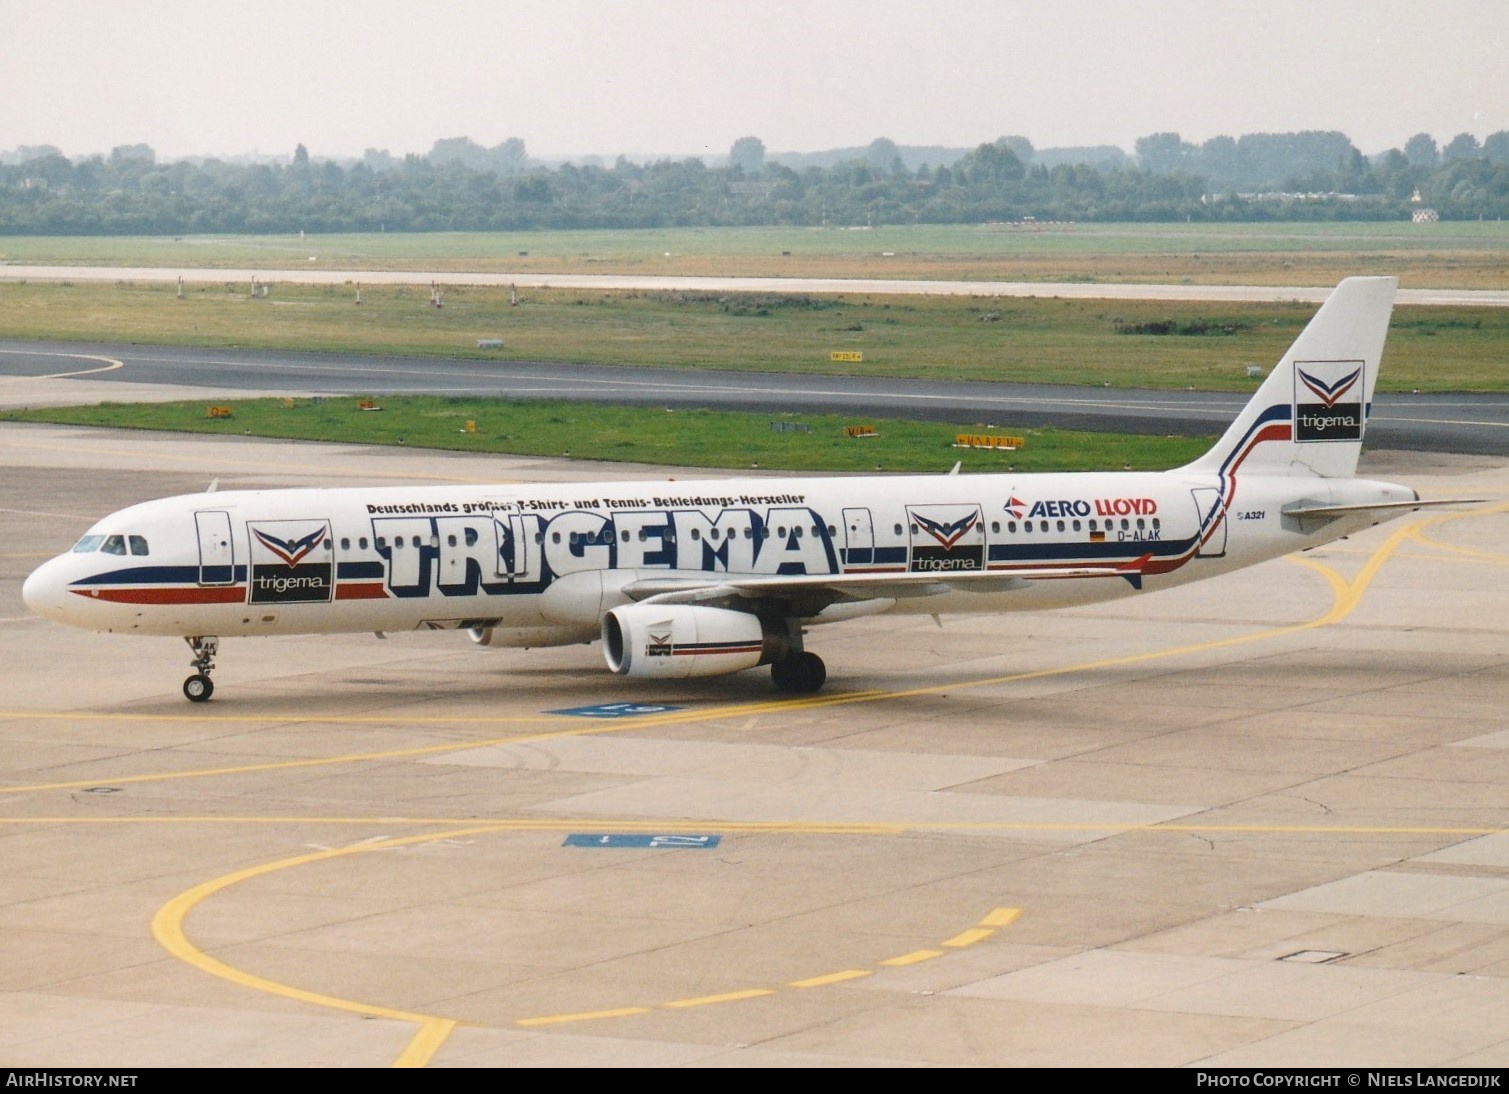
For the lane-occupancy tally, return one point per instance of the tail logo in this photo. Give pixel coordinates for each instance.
(1328, 400)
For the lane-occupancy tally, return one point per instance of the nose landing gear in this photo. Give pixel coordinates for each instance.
(199, 687)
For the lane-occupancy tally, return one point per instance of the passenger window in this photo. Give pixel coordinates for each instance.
(138, 544)
(362, 543)
(995, 527)
(696, 535)
(1156, 524)
(114, 545)
(1060, 526)
(450, 540)
(898, 529)
(470, 535)
(1076, 525)
(1026, 526)
(345, 543)
(382, 542)
(1042, 526)
(1140, 525)
(1011, 526)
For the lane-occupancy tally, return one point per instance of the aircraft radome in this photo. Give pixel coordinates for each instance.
(701, 578)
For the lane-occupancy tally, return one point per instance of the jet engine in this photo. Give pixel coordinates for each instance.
(673, 641)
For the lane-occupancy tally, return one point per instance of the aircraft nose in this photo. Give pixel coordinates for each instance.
(44, 590)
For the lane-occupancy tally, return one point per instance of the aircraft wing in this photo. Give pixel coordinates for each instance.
(816, 591)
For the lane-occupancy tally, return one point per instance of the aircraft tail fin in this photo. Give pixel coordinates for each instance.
(1308, 417)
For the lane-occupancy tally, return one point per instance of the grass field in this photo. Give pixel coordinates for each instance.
(1025, 340)
(635, 435)
(1442, 255)
(1092, 343)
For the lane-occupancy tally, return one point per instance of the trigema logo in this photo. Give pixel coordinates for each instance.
(1328, 400)
(291, 562)
(946, 537)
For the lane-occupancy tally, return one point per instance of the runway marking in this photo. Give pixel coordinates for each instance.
(585, 1016)
(967, 938)
(421, 1050)
(1418, 530)
(111, 364)
(725, 997)
(997, 918)
(916, 957)
(169, 931)
(832, 978)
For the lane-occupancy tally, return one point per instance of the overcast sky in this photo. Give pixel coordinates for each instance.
(688, 77)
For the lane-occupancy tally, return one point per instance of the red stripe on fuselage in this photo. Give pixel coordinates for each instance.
(365, 591)
(183, 594)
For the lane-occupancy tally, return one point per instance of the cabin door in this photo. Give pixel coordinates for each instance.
(859, 538)
(217, 559)
(1212, 518)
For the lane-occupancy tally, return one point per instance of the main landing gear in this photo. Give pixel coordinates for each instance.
(800, 673)
(199, 687)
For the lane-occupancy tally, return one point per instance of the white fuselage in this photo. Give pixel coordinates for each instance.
(540, 565)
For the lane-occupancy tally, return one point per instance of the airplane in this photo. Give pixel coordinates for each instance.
(684, 579)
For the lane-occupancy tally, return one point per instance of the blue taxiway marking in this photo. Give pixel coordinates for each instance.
(639, 840)
(615, 710)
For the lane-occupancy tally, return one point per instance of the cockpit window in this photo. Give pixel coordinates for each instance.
(138, 544)
(114, 545)
(87, 544)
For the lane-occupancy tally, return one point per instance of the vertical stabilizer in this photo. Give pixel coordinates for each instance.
(1309, 416)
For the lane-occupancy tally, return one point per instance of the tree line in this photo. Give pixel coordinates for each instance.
(462, 186)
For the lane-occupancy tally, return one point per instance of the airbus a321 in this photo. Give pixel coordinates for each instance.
(700, 578)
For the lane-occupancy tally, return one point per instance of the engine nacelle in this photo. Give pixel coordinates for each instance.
(674, 641)
(519, 638)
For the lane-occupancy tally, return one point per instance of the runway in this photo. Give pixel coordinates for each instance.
(1256, 822)
(1069, 290)
(1467, 424)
